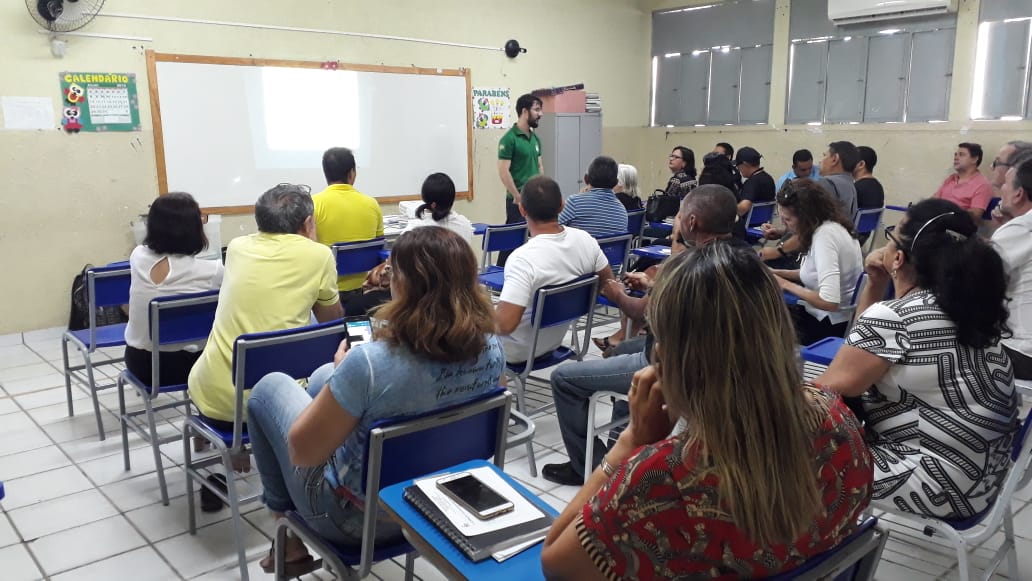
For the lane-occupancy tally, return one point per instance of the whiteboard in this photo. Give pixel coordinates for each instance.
(227, 130)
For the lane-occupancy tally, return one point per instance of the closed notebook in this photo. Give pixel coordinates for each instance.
(478, 547)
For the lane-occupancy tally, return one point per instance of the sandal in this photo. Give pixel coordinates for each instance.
(210, 502)
(603, 344)
(291, 569)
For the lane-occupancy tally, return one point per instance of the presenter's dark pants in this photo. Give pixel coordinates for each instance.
(512, 215)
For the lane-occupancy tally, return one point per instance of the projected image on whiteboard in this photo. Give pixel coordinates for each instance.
(288, 115)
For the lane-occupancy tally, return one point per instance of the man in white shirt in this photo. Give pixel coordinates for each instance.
(555, 254)
(1013, 240)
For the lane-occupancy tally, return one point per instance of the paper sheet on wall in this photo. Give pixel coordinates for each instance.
(28, 113)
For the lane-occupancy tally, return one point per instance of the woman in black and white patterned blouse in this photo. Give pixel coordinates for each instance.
(937, 386)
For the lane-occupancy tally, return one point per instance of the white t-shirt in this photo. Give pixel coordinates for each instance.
(454, 221)
(186, 274)
(831, 268)
(545, 259)
(1013, 241)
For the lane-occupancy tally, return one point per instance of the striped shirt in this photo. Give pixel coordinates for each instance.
(597, 211)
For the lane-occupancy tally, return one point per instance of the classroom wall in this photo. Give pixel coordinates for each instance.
(68, 199)
(913, 158)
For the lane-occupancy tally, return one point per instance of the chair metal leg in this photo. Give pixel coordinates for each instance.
(280, 550)
(521, 405)
(123, 421)
(963, 568)
(188, 468)
(67, 375)
(1012, 550)
(589, 445)
(155, 447)
(234, 507)
(93, 393)
(410, 566)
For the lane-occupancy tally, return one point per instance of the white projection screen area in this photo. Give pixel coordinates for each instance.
(228, 129)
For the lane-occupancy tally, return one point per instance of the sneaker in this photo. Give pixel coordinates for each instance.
(562, 474)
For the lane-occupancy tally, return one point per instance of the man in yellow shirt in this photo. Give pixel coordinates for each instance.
(275, 279)
(342, 213)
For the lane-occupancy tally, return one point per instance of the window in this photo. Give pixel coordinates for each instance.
(1002, 61)
(711, 64)
(868, 73)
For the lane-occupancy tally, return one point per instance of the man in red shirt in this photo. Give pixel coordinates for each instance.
(967, 187)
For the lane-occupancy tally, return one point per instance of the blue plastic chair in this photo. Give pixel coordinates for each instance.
(617, 250)
(173, 320)
(357, 257)
(988, 215)
(498, 238)
(823, 352)
(854, 559)
(964, 534)
(636, 225)
(296, 352)
(400, 449)
(868, 221)
(555, 305)
(760, 213)
(106, 286)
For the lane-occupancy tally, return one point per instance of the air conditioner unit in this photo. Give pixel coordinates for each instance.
(843, 12)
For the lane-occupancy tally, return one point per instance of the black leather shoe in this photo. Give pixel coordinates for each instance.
(562, 474)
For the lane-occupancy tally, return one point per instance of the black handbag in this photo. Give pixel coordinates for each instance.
(661, 206)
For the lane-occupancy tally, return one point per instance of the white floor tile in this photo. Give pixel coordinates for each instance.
(158, 522)
(39, 369)
(60, 514)
(22, 386)
(22, 440)
(90, 448)
(18, 564)
(140, 491)
(51, 413)
(211, 548)
(83, 425)
(521, 469)
(112, 468)
(18, 355)
(888, 571)
(10, 339)
(44, 486)
(48, 397)
(14, 423)
(32, 462)
(143, 563)
(48, 335)
(8, 536)
(7, 405)
(76, 547)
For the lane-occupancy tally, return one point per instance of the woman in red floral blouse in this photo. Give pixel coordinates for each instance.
(769, 472)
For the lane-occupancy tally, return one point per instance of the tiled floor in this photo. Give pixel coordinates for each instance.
(72, 512)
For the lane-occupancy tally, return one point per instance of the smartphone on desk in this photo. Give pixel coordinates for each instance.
(360, 330)
(475, 496)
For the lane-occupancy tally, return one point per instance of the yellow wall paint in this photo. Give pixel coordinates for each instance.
(68, 199)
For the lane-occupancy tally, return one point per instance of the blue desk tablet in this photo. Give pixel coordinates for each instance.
(436, 548)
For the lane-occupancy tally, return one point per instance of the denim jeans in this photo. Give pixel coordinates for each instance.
(276, 401)
(573, 385)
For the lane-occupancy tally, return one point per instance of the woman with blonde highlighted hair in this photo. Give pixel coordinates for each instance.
(769, 472)
(438, 349)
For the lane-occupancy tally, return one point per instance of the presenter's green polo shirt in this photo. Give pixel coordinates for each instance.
(522, 151)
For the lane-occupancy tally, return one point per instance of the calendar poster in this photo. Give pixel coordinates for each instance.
(99, 102)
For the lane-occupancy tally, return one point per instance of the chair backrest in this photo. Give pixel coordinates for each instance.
(867, 220)
(178, 319)
(502, 237)
(616, 249)
(560, 304)
(356, 257)
(107, 286)
(759, 213)
(988, 215)
(400, 449)
(858, 288)
(855, 558)
(636, 222)
(296, 352)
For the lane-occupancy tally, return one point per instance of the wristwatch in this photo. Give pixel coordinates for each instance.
(781, 249)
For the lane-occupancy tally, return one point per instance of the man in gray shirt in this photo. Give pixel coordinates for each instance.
(837, 174)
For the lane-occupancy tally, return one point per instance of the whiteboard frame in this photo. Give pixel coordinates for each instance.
(159, 144)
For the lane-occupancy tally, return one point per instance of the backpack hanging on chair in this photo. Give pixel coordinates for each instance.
(79, 318)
